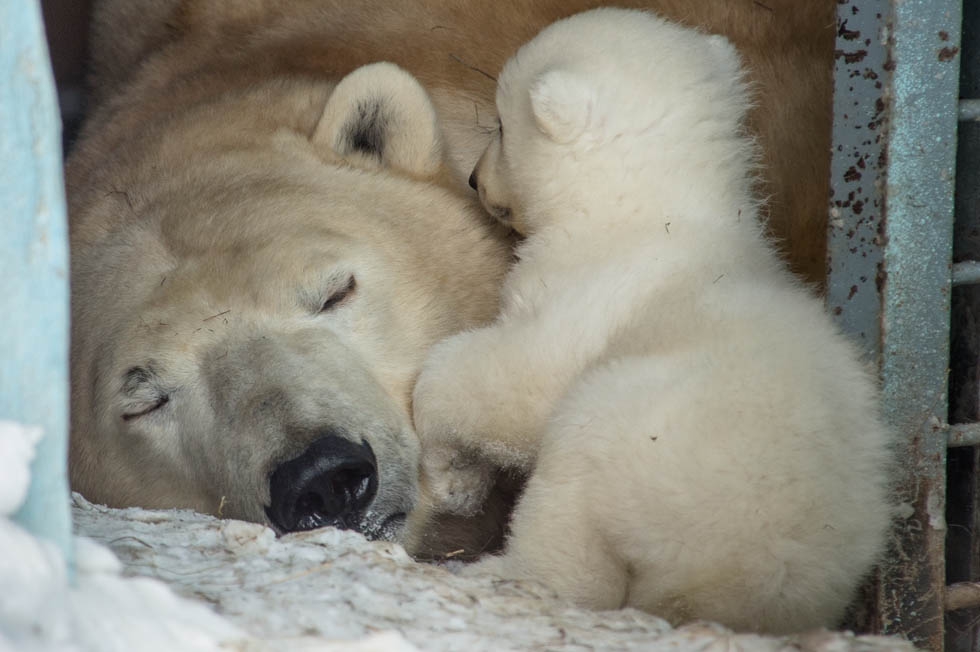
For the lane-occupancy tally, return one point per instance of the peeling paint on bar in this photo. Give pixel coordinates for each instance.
(857, 170)
(897, 249)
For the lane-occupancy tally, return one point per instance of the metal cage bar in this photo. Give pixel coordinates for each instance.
(969, 110)
(896, 103)
(963, 434)
(921, 154)
(966, 273)
(857, 199)
(963, 466)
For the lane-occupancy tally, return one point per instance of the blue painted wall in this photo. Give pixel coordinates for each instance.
(34, 265)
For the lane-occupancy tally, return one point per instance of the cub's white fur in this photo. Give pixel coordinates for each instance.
(701, 440)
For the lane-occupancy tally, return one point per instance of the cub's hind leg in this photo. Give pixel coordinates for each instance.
(554, 542)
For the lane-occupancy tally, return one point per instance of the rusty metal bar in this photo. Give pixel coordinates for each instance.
(963, 434)
(923, 44)
(962, 595)
(857, 201)
(889, 265)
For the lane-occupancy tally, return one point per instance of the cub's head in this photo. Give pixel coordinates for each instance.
(257, 276)
(600, 105)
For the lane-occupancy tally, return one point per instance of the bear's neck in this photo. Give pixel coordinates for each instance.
(711, 202)
(704, 181)
(697, 218)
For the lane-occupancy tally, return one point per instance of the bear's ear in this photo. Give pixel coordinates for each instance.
(380, 115)
(725, 54)
(562, 104)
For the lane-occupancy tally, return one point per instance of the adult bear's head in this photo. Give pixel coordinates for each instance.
(258, 271)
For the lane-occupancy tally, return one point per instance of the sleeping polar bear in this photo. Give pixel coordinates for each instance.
(704, 443)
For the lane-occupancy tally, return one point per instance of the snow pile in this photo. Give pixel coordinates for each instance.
(102, 611)
(331, 584)
(16, 454)
(319, 591)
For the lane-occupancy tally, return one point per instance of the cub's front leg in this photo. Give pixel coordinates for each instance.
(480, 404)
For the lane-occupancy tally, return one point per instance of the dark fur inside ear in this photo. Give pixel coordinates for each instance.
(380, 116)
(366, 130)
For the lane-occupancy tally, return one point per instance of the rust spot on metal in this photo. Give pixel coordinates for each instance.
(853, 291)
(943, 35)
(838, 310)
(847, 34)
(851, 57)
(948, 54)
(852, 175)
(920, 536)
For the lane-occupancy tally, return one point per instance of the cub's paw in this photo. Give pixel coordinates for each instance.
(458, 482)
(446, 397)
(496, 566)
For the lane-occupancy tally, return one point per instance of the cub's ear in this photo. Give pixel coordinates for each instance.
(725, 54)
(562, 104)
(380, 115)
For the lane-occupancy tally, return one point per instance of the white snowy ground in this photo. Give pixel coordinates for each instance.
(177, 581)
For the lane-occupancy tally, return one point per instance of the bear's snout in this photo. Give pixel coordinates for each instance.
(330, 483)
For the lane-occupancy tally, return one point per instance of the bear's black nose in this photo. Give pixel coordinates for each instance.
(330, 483)
(473, 180)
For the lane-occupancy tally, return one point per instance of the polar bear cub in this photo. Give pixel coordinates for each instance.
(702, 443)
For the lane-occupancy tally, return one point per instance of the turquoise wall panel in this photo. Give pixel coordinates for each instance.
(34, 265)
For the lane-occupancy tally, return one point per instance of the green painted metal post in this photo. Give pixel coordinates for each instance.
(919, 187)
(890, 272)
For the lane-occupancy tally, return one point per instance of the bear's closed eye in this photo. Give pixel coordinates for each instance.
(143, 392)
(129, 416)
(337, 297)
